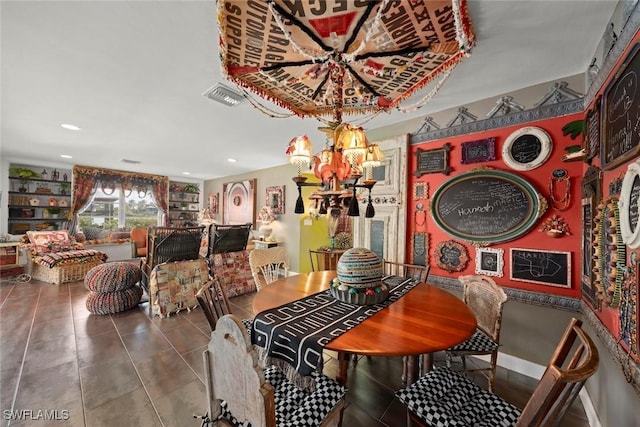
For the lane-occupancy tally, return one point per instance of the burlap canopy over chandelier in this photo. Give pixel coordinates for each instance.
(335, 57)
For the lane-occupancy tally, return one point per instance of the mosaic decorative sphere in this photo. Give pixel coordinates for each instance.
(359, 268)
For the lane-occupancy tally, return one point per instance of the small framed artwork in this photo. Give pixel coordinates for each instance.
(489, 261)
(591, 142)
(527, 148)
(451, 256)
(213, 203)
(433, 161)
(483, 150)
(275, 199)
(552, 268)
(239, 202)
(420, 190)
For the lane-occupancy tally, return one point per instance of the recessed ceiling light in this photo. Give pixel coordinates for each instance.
(66, 156)
(231, 160)
(132, 162)
(69, 127)
(186, 173)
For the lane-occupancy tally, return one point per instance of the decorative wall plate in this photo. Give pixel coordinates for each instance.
(527, 148)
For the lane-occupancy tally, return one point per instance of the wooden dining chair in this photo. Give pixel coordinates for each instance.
(324, 259)
(444, 397)
(239, 391)
(214, 303)
(268, 265)
(414, 271)
(486, 300)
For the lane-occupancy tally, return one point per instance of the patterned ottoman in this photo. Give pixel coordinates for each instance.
(113, 287)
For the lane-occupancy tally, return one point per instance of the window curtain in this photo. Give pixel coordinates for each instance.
(85, 179)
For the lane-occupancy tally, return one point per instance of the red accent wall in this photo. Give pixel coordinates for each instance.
(538, 177)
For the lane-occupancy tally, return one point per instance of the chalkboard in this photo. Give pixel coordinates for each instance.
(376, 231)
(419, 243)
(487, 206)
(451, 256)
(621, 110)
(543, 267)
(482, 150)
(432, 161)
(592, 137)
(526, 148)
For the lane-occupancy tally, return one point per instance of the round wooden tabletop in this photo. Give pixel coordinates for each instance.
(425, 320)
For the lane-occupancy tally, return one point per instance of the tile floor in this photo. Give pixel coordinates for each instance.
(133, 369)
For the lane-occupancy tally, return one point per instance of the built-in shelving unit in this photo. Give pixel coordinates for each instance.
(184, 204)
(38, 200)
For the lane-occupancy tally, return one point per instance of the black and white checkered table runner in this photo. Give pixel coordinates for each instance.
(298, 331)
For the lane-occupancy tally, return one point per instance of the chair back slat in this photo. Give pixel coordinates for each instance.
(268, 265)
(414, 271)
(225, 238)
(571, 364)
(213, 301)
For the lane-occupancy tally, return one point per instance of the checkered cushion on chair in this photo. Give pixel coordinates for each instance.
(443, 397)
(479, 342)
(295, 407)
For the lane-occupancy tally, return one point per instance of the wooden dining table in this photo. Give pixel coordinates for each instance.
(425, 320)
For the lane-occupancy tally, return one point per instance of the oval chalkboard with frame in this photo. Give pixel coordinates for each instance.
(629, 206)
(487, 206)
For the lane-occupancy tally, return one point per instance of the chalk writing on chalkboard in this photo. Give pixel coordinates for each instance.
(621, 108)
(451, 256)
(486, 206)
(551, 268)
(483, 150)
(432, 161)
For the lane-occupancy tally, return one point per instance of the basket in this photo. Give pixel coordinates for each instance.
(360, 298)
(64, 273)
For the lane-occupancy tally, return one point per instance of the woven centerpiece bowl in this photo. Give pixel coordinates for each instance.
(359, 278)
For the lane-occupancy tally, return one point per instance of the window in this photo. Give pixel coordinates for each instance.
(105, 212)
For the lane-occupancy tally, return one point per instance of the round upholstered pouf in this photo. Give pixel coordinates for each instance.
(113, 302)
(112, 277)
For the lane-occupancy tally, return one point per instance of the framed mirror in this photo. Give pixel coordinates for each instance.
(629, 206)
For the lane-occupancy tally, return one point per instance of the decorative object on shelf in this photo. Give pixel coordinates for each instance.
(52, 202)
(266, 217)
(63, 203)
(275, 199)
(451, 256)
(191, 188)
(44, 174)
(552, 268)
(54, 212)
(23, 173)
(55, 175)
(64, 188)
(527, 148)
(555, 226)
(359, 278)
(24, 186)
(238, 204)
(43, 188)
(483, 150)
(560, 176)
(34, 201)
(433, 161)
(489, 261)
(65, 177)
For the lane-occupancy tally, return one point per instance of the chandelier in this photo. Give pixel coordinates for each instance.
(339, 167)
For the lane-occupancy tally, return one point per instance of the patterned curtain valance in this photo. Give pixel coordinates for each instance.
(128, 180)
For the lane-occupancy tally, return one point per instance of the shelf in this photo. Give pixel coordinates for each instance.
(40, 194)
(40, 180)
(37, 219)
(39, 206)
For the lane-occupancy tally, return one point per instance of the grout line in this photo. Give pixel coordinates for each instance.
(24, 355)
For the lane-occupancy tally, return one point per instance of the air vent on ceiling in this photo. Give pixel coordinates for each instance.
(133, 162)
(224, 95)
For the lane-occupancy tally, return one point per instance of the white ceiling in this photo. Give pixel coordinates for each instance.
(131, 74)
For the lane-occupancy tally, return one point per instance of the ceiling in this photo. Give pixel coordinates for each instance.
(131, 75)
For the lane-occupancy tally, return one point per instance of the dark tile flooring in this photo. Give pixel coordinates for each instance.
(133, 369)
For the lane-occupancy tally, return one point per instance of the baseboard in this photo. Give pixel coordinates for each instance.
(534, 370)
